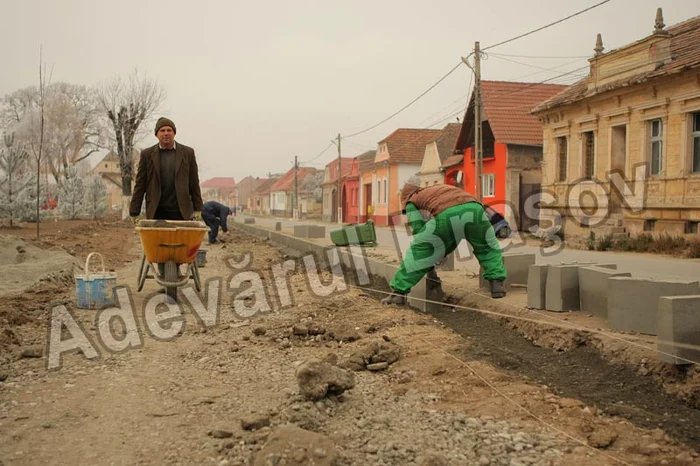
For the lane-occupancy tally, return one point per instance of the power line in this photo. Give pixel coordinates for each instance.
(534, 66)
(559, 57)
(407, 105)
(320, 154)
(545, 26)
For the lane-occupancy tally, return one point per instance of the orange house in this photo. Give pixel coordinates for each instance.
(512, 148)
(353, 210)
(399, 157)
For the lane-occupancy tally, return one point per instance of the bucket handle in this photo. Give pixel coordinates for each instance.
(87, 264)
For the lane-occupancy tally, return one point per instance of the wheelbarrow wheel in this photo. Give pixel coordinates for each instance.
(171, 275)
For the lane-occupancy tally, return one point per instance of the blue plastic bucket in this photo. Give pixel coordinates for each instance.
(201, 258)
(95, 290)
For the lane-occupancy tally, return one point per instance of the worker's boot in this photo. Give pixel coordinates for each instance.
(498, 289)
(395, 298)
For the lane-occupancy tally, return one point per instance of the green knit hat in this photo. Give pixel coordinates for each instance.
(162, 121)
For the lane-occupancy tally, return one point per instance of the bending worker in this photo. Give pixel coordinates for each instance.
(455, 215)
(215, 215)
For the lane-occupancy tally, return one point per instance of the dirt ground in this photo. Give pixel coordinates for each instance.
(396, 386)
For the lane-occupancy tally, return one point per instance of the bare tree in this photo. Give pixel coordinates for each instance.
(128, 103)
(12, 160)
(37, 144)
(72, 127)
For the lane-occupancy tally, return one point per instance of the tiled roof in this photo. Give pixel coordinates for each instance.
(366, 160)
(407, 145)
(507, 108)
(345, 166)
(219, 182)
(264, 187)
(685, 55)
(452, 161)
(286, 183)
(447, 140)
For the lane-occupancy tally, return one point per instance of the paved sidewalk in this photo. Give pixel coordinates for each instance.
(639, 264)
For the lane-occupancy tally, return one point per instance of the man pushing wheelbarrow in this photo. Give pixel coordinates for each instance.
(168, 177)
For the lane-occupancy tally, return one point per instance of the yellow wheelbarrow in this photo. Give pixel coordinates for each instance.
(167, 244)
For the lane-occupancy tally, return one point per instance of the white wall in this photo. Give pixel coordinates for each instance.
(405, 172)
(278, 200)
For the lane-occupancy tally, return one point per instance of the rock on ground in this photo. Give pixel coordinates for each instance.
(317, 379)
(296, 447)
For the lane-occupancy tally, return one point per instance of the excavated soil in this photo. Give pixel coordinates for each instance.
(396, 387)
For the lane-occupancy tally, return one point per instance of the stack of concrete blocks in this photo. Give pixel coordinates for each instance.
(249, 220)
(537, 286)
(633, 303)
(562, 290)
(517, 269)
(309, 231)
(593, 288)
(678, 328)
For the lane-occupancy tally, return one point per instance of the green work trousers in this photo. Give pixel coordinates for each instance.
(439, 237)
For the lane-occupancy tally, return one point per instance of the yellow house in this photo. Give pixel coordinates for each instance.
(108, 169)
(436, 154)
(622, 145)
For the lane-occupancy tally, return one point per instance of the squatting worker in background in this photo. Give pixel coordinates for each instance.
(215, 215)
(456, 215)
(169, 177)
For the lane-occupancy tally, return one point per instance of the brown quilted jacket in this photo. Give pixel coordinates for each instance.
(434, 199)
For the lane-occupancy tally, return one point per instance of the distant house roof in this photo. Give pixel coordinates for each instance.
(446, 141)
(219, 183)
(264, 187)
(366, 160)
(452, 161)
(407, 145)
(345, 166)
(286, 182)
(685, 55)
(507, 108)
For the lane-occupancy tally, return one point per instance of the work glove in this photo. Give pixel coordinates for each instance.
(197, 216)
(135, 219)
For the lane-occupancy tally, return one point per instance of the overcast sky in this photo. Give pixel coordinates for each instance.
(252, 84)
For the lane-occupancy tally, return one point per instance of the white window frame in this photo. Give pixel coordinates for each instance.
(694, 134)
(658, 139)
(488, 185)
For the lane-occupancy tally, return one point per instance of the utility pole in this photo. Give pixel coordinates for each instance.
(338, 197)
(296, 189)
(478, 149)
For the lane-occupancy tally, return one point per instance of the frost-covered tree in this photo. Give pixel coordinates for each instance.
(95, 198)
(71, 194)
(27, 200)
(128, 104)
(13, 158)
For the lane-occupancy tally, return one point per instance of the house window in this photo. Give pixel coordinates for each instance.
(695, 135)
(488, 185)
(691, 228)
(379, 192)
(562, 155)
(657, 148)
(588, 155)
(650, 224)
(385, 190)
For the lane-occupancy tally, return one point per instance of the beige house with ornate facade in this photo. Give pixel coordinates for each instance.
(622, 146)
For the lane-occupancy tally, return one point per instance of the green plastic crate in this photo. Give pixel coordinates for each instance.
(366, 235)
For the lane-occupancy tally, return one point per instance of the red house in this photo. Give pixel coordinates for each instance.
(351, 188)
(512, 147)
